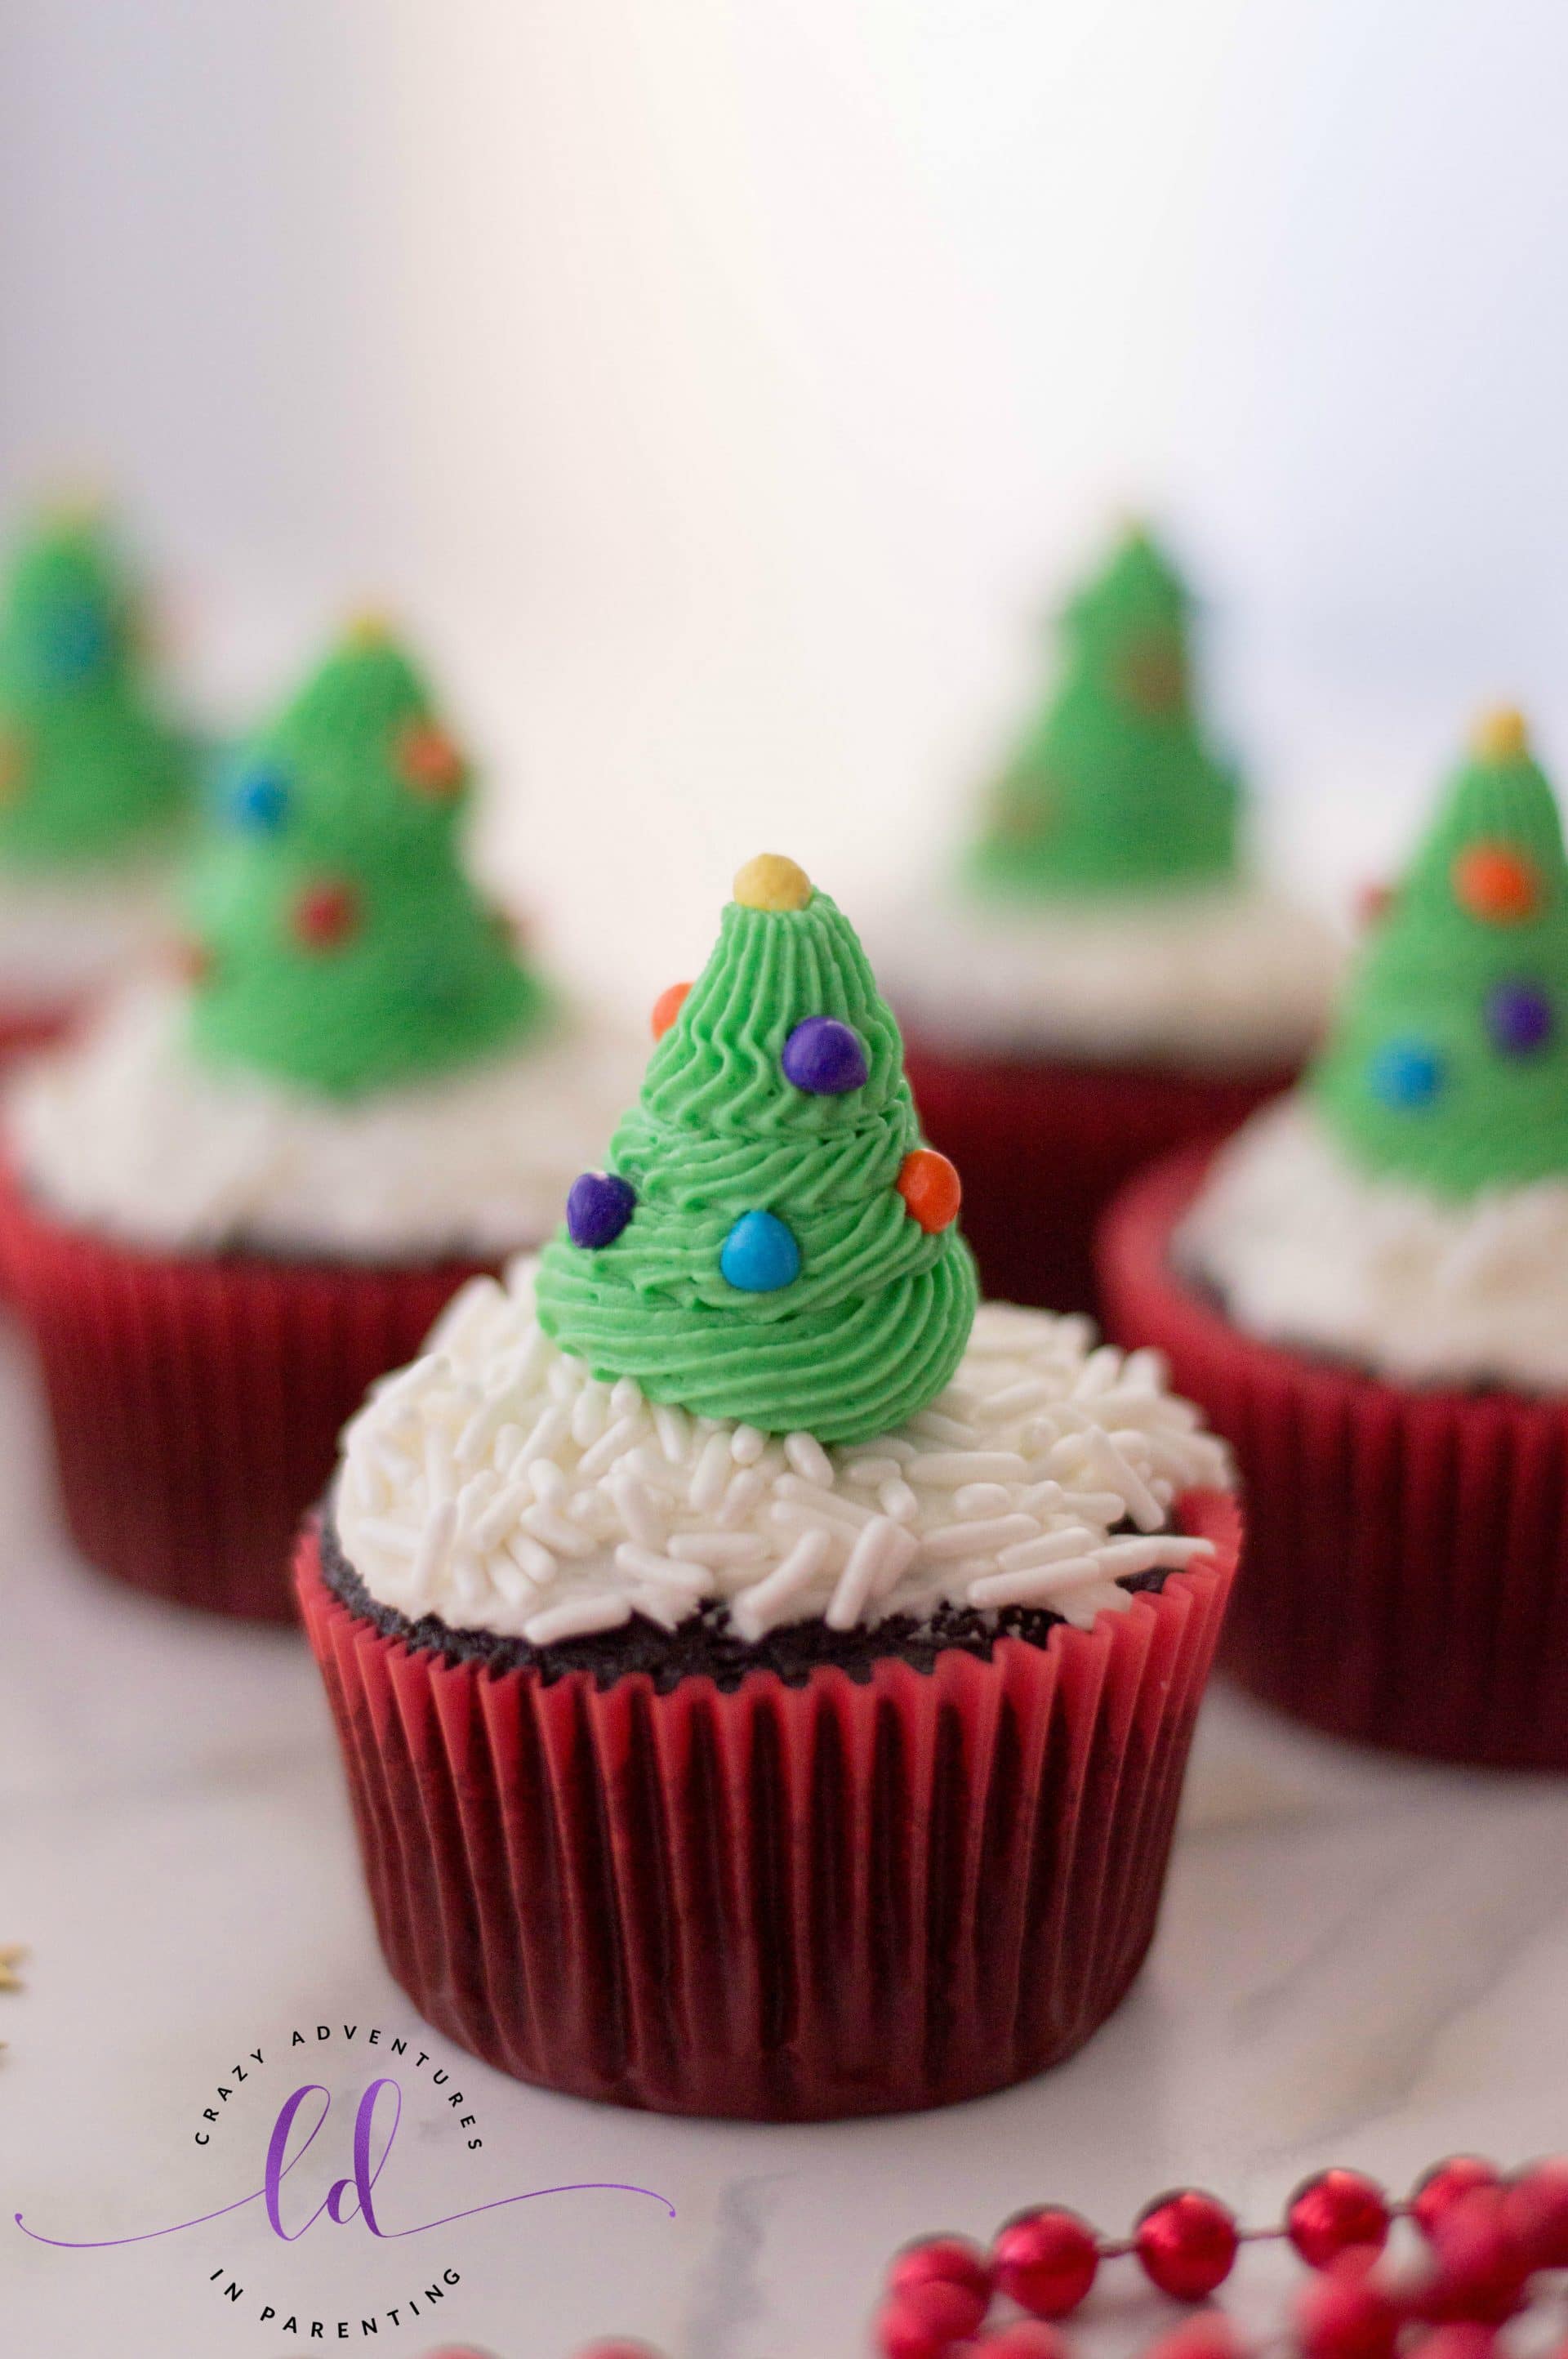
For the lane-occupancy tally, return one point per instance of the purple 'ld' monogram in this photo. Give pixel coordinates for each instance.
(346, 2199)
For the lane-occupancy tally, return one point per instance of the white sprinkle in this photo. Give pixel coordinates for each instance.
(827, 1503)
(589, 1412)
(1149, 1370)
(745, 1489)
(478, 1432)
(467, 1312)
(608, 1448)
(1095, 1507)
(1031, 1588)
(715, 1548)
(535, 1563)
(949, 1469)
(747, 1445)
(648, 1565)
(1051, 1547)
(636, 1508)
(756, 1610)
(625, 1397)
(548, 1478)
(1014, 1401)
(439, 1468)
(674, 1435)
(566, 1539)
(937, 1428)
(806, 1455)
(395, 1539)
(898, 1500)
(668, 1607)
(1142, 1505)
(434, 1542)
(1120, 1557)
(550, 1430)
(576, 1619)
(970, 1539)
(983, 1499)
(880, 1555)
(711, 1480)
(502, 1513)
(1098, 1373)
(564, 1381)
(871, 1470)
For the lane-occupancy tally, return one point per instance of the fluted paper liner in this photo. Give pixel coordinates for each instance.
(1042, 1146)
(1407, 1551)
(196, 1404)
(778, 1902)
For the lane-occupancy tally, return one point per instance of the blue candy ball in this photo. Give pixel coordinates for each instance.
(825, 1057)
(1406, 1073)
(258, 801)
(760, 1253)
(1519, 1018)
(598, 1207)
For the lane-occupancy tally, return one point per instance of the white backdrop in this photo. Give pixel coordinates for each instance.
(725, 387)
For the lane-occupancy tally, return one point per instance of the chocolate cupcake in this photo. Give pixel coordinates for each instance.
(765, 1679)
(246, 1190)
(1367, 1290)
(1104, 978)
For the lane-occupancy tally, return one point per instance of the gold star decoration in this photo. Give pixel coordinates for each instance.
(10, 1959)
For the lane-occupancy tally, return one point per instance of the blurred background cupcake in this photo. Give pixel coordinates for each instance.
(1368, 1290)
(1104, 977)
(252, 1183)
(95, 772)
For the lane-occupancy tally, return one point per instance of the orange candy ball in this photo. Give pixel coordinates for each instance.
(666, 1007)
(429, 760)
(930, 1188)
(1495, 883)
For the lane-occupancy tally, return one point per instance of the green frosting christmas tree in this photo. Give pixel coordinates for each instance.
(771, 1241)
(90, 768)
(1113, 788)
(1449, 1062)
(338, 942)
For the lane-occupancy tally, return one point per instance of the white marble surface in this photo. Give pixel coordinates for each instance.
(1359, 1961)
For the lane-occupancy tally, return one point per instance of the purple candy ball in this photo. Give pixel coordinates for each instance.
(825, 1057)
(598, 1209)
(1519, 1018)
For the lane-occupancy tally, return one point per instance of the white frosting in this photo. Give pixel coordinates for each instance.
(1230, 979)
(61, 936)
(497, 1484)
(1306, 1250)
(128, 1131)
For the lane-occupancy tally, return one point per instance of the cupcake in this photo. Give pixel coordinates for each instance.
(765, 1679)
(1103, 979)
(1368, 1290)
(94, 776)
(246, 1190)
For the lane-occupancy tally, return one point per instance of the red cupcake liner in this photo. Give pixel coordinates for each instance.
(1407, 1552)
(1043, 1147)
(779, 1903)
(195, 1404)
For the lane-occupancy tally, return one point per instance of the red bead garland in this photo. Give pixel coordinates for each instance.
(948, 2260)
(1187, 2243)
(1334, 2213)
(925, 2322)
(1344, 2314)
(1047, 2260)
(1446, 2183)
(1535, 2206)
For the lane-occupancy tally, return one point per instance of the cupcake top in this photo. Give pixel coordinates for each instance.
(1103, 908)
(92, 770)
(357, 1058)
(749, 1381)
(1409, 1208)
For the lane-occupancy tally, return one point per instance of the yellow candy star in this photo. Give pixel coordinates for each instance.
(771, 882)
(10, 1959)
(368, 626)
(1501, 736)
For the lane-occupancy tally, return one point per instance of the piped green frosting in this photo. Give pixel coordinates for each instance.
(90, 769)
(1114, 789)
(1448, 1065)
(877, 1319)
(338, 941)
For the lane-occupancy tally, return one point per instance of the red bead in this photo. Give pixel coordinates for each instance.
(1479, 2267)
(327, 914)
(666, 1007)
(1464, 2340)
(930, 1188)
(1343, 2313)
(1373, 902)
(617, 2349)
(1026, 2338)
(1335, 2212)
(1187, 2243)
(946, 2260)
(1209, 2336)
(429, 762)
(1535, 2209)
(1446, 2182)
(1047, 2260)
(1495, 883)
(927, 2321)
